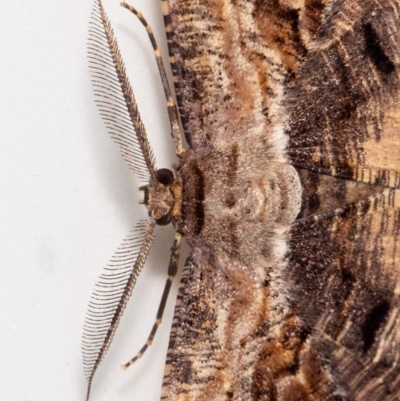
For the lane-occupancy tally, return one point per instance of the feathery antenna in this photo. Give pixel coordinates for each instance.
(111, 295)
(114, 96)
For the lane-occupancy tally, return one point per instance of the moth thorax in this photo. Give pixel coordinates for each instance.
(275, 198)
(159, 197)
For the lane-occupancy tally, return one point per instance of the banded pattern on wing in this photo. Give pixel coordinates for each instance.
(114, 96)
(235, 64)
(345, 266)
(111, 295)
(237, 340)
(344, 106)
(322, 193)
(231, 59)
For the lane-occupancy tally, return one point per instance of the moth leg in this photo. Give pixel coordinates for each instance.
(172, 109)
(172, 269)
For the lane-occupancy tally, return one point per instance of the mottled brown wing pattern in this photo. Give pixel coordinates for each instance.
(343, 121)
(327, 316)
(344, 264)
(344, 107)
(223, 345)
(230, 60)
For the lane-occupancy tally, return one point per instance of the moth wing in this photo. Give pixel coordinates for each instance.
(342, 115)
(344, 265)
(231, 61)
(196, 360)
(343, 110)
(232, 64)
(220, 344)
(187, 339)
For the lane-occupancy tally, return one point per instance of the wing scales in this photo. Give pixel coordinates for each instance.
(345, 266)
(343, 120)
(238, 55)
(348, 286)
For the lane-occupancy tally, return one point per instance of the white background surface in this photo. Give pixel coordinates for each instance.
(67, 201)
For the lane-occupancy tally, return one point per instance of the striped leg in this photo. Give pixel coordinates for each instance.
(172, 269)
(172, 109)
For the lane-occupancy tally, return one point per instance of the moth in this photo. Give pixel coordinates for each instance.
(288, 194)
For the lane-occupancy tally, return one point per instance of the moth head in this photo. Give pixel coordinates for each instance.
(162, 196)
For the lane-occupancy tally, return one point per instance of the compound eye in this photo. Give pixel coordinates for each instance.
(165, 176)
(164, 221)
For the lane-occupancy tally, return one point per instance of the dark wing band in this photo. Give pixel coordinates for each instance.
(344, 107)
(344, 265)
